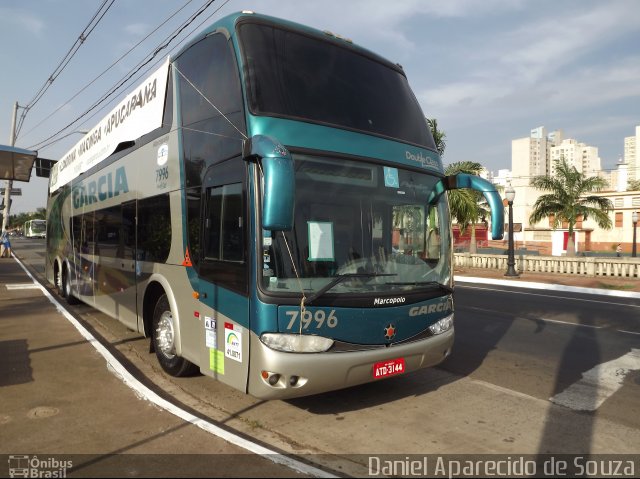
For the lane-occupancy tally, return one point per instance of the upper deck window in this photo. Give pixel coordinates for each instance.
(299, 76)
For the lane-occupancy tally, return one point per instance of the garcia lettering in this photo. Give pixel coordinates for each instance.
(430, 308)
(106, 186)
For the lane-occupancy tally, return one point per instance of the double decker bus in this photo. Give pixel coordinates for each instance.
(35, 229)
(269, 208)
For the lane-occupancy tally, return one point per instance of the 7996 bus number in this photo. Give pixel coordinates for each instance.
(311, 319)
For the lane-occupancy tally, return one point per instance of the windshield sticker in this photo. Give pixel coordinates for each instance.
(391, 177)
(266, 238)
(320, 241)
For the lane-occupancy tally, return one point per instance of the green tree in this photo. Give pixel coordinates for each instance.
(466, 206)
(633, 185)
(569, 199)
(439, 136)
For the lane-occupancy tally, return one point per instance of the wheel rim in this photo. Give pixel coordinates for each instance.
(67, 284)
(165, 335)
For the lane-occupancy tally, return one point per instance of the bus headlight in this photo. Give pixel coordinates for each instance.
(443, 325)
(296, 343)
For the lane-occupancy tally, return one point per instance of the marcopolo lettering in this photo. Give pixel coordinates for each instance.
(106, 186)
(382, 301)
(430, 308)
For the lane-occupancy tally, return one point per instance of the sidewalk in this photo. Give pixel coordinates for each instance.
(599, 282)
(60, 398)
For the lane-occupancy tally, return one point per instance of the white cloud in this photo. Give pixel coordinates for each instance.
(379, 21)
(137, 29)
(11, 17)
(538, 66)
(539, 48)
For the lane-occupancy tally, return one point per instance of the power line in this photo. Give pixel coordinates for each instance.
(97, 17)
(108, 68)
(44, 143)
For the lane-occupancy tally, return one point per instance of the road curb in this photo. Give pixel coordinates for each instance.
(547, 286)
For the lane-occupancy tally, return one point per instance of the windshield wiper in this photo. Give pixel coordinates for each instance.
(444, 287)
(339, 279)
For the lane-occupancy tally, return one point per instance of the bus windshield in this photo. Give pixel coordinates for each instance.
(38, 226)
(368, 222)
(293, 75)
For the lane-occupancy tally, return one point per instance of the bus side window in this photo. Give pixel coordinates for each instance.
(207, 76)
(224, 223)
(224, 239)
(154, 229)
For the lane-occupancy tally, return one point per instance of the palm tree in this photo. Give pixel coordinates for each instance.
(465, 204)
(439, 136)
(566, 201)
(634, 185)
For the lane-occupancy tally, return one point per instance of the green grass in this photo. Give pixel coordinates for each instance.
(616, 286)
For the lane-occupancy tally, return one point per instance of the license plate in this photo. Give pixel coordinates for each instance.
(388, 368)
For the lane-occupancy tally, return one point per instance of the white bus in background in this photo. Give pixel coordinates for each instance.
(35, 229)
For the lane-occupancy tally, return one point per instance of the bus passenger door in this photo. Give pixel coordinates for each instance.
(115, 248)
(83, 265)
(223, 271)
(129, 266)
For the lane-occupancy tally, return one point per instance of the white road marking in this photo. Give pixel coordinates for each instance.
(627, 332)
(17, 286)
(547, 320)
(598, 384)
(510, 392)
(571, 298)
(545, 286)
(568, 323)
(144, 392)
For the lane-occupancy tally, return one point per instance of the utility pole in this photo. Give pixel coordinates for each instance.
(9, 183)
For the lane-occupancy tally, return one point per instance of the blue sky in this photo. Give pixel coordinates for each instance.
(488, 70)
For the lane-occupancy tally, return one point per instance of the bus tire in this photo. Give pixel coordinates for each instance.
(67, 291)
(57, 278)
(163, 337)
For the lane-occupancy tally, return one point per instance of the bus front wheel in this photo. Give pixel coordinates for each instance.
(163, 337)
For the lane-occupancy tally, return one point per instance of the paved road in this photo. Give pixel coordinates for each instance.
(541, 343)
(520, 381)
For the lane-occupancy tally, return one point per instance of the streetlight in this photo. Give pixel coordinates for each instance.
(634, 220)
(510, 195)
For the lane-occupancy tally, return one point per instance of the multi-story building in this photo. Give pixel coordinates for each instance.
(631, 157)
(503, 178)
(624, 204)
(530, 156)
(583, 157)
(536, 155)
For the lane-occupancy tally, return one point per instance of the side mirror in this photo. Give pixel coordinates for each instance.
(279, 181)
(464, 180)
(43, 167)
